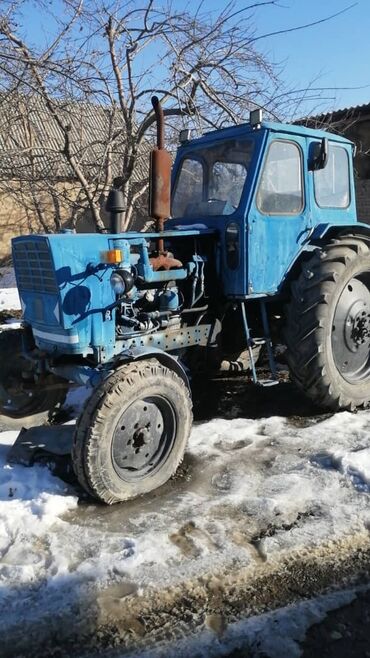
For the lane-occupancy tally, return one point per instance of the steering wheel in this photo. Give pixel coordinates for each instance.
(213, 199)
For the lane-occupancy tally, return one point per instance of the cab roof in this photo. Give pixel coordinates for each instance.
(244, 129)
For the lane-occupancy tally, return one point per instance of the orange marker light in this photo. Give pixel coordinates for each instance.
(112, 256)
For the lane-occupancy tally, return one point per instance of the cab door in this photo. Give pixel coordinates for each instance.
(279, 219)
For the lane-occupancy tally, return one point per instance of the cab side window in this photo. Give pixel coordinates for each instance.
(189, 187)
(331, 184)
(280, 190)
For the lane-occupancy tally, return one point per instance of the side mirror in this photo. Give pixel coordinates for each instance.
(319, 155)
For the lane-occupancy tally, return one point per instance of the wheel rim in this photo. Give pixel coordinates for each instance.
(143, 438)
(351, 330)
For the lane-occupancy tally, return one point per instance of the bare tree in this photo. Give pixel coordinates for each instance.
(109, 58)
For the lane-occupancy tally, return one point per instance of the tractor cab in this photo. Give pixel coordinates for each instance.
(266, 188)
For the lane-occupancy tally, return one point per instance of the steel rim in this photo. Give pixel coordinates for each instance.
(351, 330)
(143, 438)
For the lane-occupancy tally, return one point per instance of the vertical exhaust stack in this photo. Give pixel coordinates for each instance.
(159, 176)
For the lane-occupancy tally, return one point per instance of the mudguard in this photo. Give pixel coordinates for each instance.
(166, 359)
(319, 235)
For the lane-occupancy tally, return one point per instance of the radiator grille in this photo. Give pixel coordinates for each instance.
(34, 266)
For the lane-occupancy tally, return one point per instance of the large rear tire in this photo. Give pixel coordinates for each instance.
(328, 325)
(132, 433)
(24, 402)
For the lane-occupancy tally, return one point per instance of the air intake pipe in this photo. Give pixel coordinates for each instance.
(160, 176)
(115, 205)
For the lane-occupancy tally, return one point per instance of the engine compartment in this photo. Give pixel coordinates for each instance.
(156, 291)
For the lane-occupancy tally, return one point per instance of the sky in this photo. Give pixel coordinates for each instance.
(333, 55)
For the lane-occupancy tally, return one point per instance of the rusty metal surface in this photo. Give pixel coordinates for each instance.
(160, 121)
(165, 261)
(160, 176)
(160, 190)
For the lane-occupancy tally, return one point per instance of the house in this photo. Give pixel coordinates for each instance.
(39, 190)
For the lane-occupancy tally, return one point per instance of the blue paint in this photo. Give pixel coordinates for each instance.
(169, 300)
(64, 281)
(269, 245)
(79, 317)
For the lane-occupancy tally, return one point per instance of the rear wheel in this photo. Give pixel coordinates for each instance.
(328, 325)
(132, 434)
(23, 400)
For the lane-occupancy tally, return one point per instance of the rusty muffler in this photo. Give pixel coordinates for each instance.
(159, 176)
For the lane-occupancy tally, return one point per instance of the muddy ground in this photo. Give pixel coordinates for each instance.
(214, 601)
(344, 632)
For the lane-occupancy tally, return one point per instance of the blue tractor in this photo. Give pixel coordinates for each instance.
(261, 239)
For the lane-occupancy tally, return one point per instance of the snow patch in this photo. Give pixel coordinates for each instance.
(9, 299)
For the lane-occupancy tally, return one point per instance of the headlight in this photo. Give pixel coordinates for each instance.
(117, 282)
(122, 281)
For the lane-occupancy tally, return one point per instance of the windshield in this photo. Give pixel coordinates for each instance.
(210, 181)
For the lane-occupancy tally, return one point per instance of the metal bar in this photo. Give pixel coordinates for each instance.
(82, 375)
(158, 110)
(249, 343)
(266, 331)
(170, 339)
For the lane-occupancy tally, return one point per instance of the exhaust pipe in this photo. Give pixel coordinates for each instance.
(160, 176)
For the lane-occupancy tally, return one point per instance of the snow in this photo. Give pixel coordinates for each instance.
(9, 298)
(250, 491)
(31, 502)
(247, 476)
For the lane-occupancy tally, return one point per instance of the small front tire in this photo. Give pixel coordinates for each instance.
(132, 433)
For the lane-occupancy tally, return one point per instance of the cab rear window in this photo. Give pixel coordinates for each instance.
(331, 184)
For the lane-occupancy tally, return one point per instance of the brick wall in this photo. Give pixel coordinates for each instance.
(20, 219)
(363, 200)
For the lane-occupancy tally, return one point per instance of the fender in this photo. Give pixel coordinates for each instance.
(166, 359)
(316, 239)
(328, 230)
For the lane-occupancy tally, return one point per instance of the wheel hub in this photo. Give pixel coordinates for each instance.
(357, 325)
(360, 329)
(141, 438)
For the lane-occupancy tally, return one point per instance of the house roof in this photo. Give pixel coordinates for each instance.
(31, 141)
(355, 112)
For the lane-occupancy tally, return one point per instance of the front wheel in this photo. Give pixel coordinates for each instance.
(328, 325)
(132, 433)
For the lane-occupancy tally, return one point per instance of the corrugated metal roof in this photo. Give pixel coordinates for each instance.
(32, 143)
(355, 111)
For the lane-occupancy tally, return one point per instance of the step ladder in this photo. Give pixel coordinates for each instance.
(260, 340)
